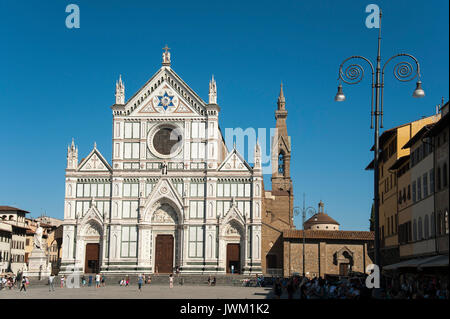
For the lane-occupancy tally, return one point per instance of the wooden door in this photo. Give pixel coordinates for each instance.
(92, 258)
(233, 258)
(343, 269)
(164, 254)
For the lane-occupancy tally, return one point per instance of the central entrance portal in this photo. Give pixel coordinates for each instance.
(92, 258)
(164, 254)
(233, 258)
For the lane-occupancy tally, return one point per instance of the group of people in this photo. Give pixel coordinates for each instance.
(319, 288)
(355, 288)
(416, 287)
(14, 282)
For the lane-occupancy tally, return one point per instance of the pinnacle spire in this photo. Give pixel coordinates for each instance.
(212, 91)
(281, 96)
(120, 91)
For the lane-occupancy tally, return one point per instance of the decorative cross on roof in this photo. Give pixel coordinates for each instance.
(166, 48)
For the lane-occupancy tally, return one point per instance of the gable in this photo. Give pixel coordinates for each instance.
(164, 101)
(234, 162)
(94, 162)
(165, 94)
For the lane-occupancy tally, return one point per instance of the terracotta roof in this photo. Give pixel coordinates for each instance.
(330, 234)
(10, 208)
(321, 218)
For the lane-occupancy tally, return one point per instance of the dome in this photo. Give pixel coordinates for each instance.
(321, 220)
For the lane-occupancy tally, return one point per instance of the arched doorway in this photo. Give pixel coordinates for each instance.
(164, 225)
(92, 237)
(234, 249)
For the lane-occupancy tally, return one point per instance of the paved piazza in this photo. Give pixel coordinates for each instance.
(132, 292)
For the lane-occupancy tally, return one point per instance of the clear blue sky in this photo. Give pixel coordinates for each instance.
(58, 83)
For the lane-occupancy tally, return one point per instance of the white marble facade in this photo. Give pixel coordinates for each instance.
(171, 174)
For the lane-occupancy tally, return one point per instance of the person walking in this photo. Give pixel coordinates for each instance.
(24, 284)
(90, 281)
(277, 290)
(97, 281)
(140, 282)
(171, 281)
(51, 278)
(62, 281)
(103, 281)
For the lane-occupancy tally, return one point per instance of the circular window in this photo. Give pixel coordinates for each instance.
(165, 140)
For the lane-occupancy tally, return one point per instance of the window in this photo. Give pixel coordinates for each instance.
(281, 163)
(425, 184)
(222, 207)
(198, 130)
(196, 209)
(81, 207)
(198, 150)
(197, 189)
(414, 230)
(179, 186)
(419, 188)
(93, 190)
(229, 189)
(431, 180)
(149, 187)
(129, 209)
(131, 151)
(129, 241)
(244, 207)
(433, 224)
(196, 241)
(132, 130)
(167, 140)
(414, 191)
(419, 226)
(426, 226)
(130, 189)
(409, 192)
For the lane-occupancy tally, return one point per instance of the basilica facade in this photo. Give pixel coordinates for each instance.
(173, 195)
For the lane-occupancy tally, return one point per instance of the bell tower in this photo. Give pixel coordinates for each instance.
(281, 148)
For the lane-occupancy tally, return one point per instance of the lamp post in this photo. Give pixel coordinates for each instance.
(353, 73)
(306, 210)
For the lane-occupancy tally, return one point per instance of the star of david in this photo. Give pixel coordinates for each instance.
(165, 100)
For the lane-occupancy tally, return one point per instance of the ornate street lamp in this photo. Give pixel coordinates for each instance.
(352, 73)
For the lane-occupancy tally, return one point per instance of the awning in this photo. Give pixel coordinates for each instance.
(436, 261)
(412, 263)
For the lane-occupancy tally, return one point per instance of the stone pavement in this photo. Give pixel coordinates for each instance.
(132, 292)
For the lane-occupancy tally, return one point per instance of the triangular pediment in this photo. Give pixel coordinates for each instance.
(234, 162)
(233, 214)
(92, 214)
(164, 189)
(165, 94)
(94, 162)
